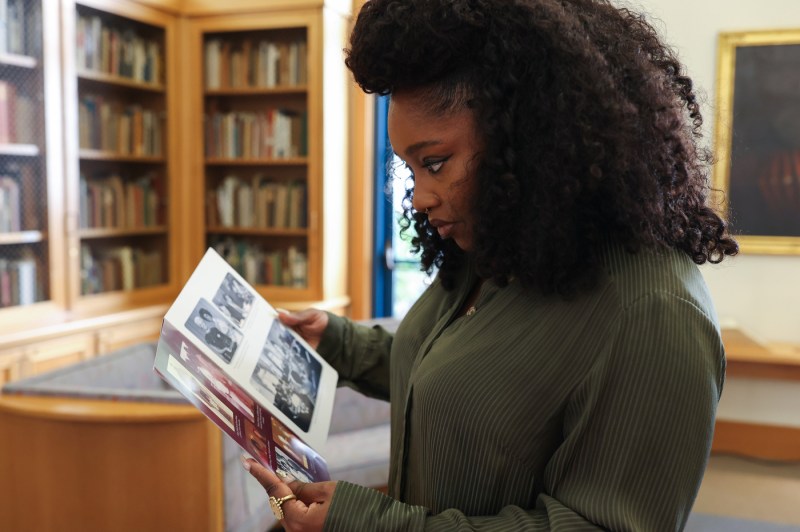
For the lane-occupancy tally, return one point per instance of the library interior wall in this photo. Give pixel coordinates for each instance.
(758, 293)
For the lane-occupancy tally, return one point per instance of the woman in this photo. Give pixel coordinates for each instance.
(563, 370)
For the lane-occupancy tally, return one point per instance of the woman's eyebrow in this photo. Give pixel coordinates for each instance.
(414, 148)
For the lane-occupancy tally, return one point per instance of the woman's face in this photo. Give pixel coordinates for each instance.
(441, 151)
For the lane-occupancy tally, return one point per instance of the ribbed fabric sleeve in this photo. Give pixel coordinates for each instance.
(359, 354)
(542, 414)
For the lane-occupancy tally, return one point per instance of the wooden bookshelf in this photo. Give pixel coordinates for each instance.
(122, 111)
(100, 155)
(102, 232)
(62, 325)
(22, 237)
(248, 231)
(289, 161)
(118, 81)
(19, 150)
(30, 160)
(302, 86)
(18, 60)
(299, 90)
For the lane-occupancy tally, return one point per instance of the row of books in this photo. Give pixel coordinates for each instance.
(10, 205)
(21, 27)
(117, 49)
(250, 63)
(17, 115)
(112, 126)
(282, 267)
(18, 281)
(19, 201)
(111, 201)
(269, 134)
(257, 202)
(119, 268)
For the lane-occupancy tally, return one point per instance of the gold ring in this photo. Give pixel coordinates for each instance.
(276, 504)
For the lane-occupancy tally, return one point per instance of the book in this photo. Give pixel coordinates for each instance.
(26, 279)
(10, 205)
(18, 280)
(223, 347)
(7, 107)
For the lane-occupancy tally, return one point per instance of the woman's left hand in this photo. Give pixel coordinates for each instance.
(306, 512)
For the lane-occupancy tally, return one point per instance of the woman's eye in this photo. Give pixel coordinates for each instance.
(434, 166)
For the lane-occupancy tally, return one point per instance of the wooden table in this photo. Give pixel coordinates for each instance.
(76, 464)
(749, 359)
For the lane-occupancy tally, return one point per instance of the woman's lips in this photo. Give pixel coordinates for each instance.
(445, 229)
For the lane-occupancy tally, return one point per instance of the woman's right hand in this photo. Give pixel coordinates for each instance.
(309, 323)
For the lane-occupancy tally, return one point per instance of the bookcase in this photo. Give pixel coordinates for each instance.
(123, 157)
(271, 176)
(30, 158)
(122, 161)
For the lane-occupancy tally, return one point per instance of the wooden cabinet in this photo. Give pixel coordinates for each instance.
(31, 213)
(89, 160)
(122, 163)
(124, 334)
(80, 465)
(26, 360)
(52, 354)
(9, 365)
(48, 348)
(272, 172)
(128, 153)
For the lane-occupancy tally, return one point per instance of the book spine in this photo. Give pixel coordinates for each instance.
(10, 205)
(5, 284)
(7, 105)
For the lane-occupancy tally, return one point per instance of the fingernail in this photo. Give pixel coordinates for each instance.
(245, 463)
(281, 473)
(282, 311)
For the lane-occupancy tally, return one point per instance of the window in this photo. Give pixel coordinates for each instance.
(398, 281)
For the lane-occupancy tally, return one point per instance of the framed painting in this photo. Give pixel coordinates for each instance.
(758, 138)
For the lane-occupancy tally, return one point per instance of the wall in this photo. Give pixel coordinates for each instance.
(757, 293)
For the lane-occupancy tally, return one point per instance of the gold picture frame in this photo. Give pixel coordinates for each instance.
(757, 138)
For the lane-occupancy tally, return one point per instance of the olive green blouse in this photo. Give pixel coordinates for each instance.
(536, 413)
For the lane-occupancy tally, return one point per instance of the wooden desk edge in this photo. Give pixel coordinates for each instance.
(77, 410)
(748, 358)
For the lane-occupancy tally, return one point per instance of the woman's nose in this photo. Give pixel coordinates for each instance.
(423, 199)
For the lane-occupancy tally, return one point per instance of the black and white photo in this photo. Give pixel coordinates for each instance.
(214, 330)
(234, 300)
(288, 376)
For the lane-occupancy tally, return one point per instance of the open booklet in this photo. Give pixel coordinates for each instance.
(224, 349)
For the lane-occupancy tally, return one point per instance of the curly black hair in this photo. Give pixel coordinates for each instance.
(591, 131)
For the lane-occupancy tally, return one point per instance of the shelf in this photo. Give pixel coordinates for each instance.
(19, 150)
(22, 237)
(280, 287)
(748, 358)
(117, 293)
(119, 81)
(294, 161)
(114, 232)
(17, 60)
(301, 90)
(98, 155)
(258, 231)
